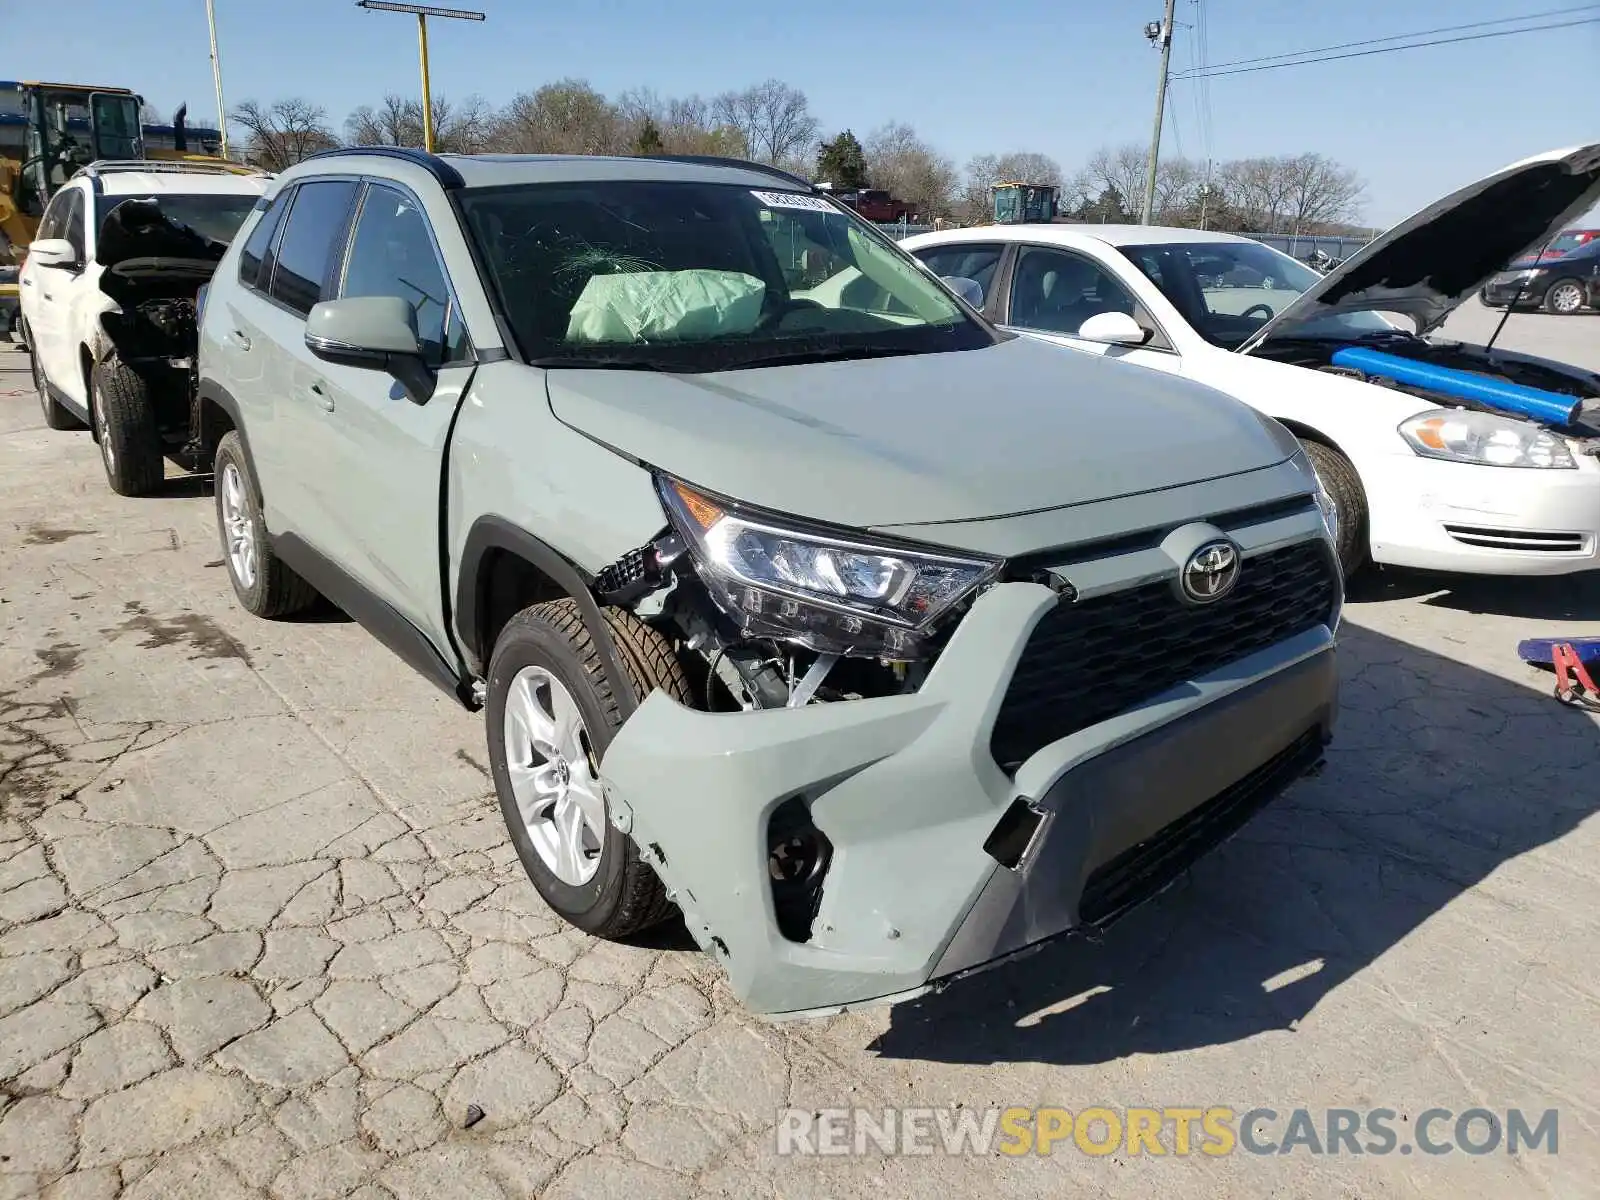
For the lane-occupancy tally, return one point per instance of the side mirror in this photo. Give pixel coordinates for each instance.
(1114, 329)
(53, 252)
(378, 333)
(969, 290)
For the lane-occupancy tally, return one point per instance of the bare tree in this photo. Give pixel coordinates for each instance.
(457, 128)
(1319, 192)
(902, 164)
(565, 117)
(774, 120)
(1120, 169)
(281, 134)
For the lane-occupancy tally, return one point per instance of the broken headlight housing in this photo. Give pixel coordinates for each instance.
(1460, 435)
(828, 590)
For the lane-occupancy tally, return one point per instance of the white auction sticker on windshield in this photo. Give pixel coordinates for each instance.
(793, 200)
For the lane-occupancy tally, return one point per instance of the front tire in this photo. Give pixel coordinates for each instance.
(551, 711)
(124, 413)
(1564, 297)
(264, 584)
(1343, 485)
(56, 415)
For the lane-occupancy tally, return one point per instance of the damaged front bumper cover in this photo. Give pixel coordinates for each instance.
(940, 863)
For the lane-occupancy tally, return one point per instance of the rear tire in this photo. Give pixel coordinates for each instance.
(1341, 482)
(614, 893)
(1564, 297)
(125, 420)
(56, 416)
(263, 583)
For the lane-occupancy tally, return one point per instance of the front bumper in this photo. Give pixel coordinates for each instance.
(1529, 295)
(908, 794)
(1445, 516)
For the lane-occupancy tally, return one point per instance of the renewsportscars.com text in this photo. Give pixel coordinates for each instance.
(1171, 1130)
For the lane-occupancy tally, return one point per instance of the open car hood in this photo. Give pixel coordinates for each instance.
(1429, 264)
(148, 256)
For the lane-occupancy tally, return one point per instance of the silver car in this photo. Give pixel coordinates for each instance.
(877, 642)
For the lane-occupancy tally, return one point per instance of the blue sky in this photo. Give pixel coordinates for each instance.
(1057, 76)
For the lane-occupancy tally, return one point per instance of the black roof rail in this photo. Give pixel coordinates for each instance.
(447, 175)
(714, 160)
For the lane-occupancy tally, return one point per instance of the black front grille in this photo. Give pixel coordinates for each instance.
(1141, 871)
(1091, 660)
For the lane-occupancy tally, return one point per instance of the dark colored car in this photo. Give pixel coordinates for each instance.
(1566, 283)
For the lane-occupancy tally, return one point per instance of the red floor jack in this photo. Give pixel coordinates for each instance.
(1571, 658)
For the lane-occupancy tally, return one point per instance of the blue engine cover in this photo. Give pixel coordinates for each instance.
(1551, 407)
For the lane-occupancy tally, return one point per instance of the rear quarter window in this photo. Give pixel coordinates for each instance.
(255, 250)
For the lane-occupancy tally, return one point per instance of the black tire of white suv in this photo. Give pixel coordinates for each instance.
(265, 585)
(624, 895)
(56, 416)
(125, 424)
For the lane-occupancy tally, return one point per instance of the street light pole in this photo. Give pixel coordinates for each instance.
(422, 13)
(216, 75)
(1164, 35)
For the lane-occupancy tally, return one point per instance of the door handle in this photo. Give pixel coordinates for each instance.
(236, 339)
(27, 283)
(324, 401)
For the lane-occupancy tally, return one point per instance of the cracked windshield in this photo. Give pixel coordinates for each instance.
(703, 276)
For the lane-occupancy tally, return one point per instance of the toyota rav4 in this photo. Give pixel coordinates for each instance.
(880, 643)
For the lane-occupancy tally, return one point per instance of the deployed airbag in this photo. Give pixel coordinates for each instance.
(1499, 394)
(649, 306)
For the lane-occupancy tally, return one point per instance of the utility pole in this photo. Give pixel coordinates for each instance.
(422, 13)
(216, 75)
(1162, 35)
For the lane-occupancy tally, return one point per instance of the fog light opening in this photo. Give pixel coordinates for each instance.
(798, 854)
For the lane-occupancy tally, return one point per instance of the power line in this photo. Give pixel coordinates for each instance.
(1303, 58)
(1401, 37)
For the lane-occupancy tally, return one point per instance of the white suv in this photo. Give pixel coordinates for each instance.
(108, 292)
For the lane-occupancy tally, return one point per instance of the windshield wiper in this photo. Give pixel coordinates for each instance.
(603, 362)
(816, 354)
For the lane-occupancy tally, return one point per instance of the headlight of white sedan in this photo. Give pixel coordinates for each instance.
(1457, 435)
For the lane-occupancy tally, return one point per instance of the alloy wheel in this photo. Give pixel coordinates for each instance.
(1566, 298)
(241, 530)
(102, 425)
(550, 759)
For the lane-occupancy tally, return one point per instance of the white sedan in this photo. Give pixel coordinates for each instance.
(1438, 454)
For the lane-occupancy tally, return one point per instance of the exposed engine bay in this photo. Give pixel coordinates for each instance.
(1459, 375)
(155, 268)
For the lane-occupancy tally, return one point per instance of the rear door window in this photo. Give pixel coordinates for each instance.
(977, 263)
(316, 223)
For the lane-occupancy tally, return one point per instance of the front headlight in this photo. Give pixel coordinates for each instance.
(1457, 435)
(831, 592)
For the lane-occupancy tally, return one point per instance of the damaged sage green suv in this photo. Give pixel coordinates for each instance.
(879, 643)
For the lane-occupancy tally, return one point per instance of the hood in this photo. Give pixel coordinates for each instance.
(147, 256)
(1429, 264)
(1021, 426)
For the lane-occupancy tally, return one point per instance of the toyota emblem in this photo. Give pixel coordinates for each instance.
(1210, 573)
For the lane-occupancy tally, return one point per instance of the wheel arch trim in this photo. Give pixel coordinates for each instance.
(490, 534)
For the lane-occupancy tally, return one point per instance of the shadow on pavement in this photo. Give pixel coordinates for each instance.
(1439, 773)
(1552, 598)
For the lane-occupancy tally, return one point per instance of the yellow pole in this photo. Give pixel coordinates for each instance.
(427, 92)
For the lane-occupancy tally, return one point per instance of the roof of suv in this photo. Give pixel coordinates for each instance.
(133, 178)
(498, 170)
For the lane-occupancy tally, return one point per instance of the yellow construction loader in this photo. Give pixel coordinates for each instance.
(50, 130)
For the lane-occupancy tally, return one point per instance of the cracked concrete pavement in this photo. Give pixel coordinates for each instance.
(261, 933)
